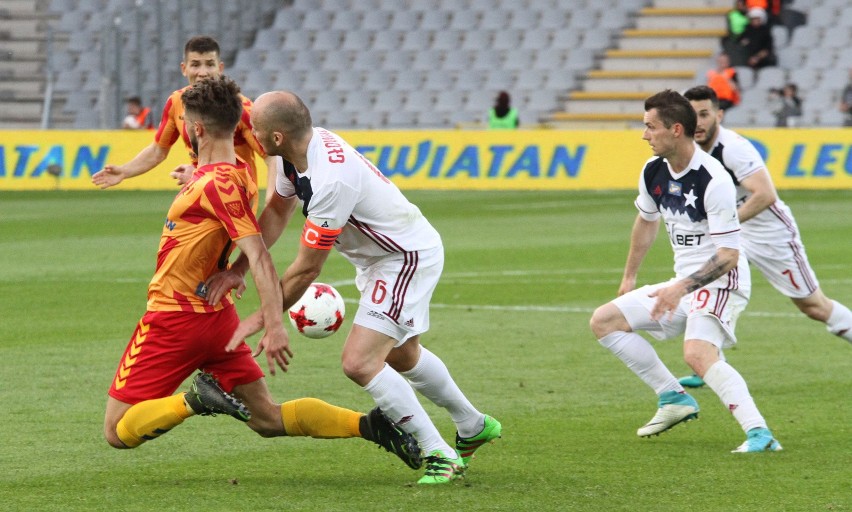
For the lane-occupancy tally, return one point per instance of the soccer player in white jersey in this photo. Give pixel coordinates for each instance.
(398, 256)
(770, 236)
(688, 190)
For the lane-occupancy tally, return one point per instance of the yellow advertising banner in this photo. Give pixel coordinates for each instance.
(463, 160)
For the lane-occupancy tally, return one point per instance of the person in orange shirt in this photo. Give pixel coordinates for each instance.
(723, 81)
(201, 61)
(182, 331)
(138, 117)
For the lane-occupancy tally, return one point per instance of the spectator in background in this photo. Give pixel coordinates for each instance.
(723, 80)
(756, 41)
(736, 20)
(138, 117)
(787, 106)
(502, 115)
(846, 101)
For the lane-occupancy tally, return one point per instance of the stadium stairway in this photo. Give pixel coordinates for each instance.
(648, 58)
(23, 37)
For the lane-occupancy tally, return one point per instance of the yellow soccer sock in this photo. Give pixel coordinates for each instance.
(150, 419)
(315, 418)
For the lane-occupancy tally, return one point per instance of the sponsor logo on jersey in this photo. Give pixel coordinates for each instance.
(170, 225)
(675, 188)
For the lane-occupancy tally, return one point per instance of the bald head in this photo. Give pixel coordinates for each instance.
(282, 111)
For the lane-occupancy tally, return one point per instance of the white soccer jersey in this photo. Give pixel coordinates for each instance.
(342, 189)
(698, 207)
(740, 158)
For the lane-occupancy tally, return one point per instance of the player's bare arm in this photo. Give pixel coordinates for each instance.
(299, 275)
(641, 239)
(763, 194)
(718, 265)
(144, 161)
(274, 218)
(275, 340)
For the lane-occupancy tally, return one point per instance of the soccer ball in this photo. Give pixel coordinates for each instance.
(319, 313)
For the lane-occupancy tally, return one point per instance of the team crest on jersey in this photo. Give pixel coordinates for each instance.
(675, 188)
(235, 208)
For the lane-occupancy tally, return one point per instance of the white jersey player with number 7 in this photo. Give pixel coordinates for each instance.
(398, 256)
(770, 236)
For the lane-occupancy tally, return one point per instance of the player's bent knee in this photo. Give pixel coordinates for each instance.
(113, 440)
(603, 320)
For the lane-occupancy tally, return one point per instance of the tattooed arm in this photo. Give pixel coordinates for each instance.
(718, 265)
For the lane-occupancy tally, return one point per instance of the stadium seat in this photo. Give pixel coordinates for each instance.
(388, 40)
(416, 40)
(769, 78)
(431, 119)
(507, 39)
(349, 80)
(457, 61)
(357, 101)
(400, 119)
(737, 117)
(405, 20)
(317, 19)
(450, 100)
(389, 100)
(410, 80)
(495, 19)
(525, 19)
(327, 40)
(379, 79)
(368, 60)
(449, 40)
(464, 20)
(479, 40)
(357, 40)
(376, 20)
(536, 39)
(434, 20)
(346, 20)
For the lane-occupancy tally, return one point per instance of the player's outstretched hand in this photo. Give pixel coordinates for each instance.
(248, 326)
(219, 284)
(182, 173)
(277, 346)
(109, 176)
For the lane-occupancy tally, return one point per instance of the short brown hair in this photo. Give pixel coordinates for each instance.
(673, 108)
(217, 101)
(701, 93)
(201, 44)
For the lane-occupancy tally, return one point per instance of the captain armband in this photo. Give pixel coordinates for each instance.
(319, 237)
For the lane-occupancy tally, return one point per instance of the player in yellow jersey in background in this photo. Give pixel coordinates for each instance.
(181, 332)
(201, 60)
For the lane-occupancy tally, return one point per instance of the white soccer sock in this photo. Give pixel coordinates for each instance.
(840, 321)
(642, 359)
(399, 403)
(432, 379)
(731, 388)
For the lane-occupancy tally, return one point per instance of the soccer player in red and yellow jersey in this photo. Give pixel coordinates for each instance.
(181, 331)
(201, 61)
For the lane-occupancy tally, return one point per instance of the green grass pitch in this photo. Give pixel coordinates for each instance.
(510, 318)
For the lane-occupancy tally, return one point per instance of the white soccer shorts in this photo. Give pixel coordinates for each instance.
(785, 265)
(708, 314)
(396, 291)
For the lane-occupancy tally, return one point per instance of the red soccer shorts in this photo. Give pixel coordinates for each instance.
(168, 346)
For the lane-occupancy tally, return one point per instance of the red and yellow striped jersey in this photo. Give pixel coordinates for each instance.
(172, 127)
(211, 210)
